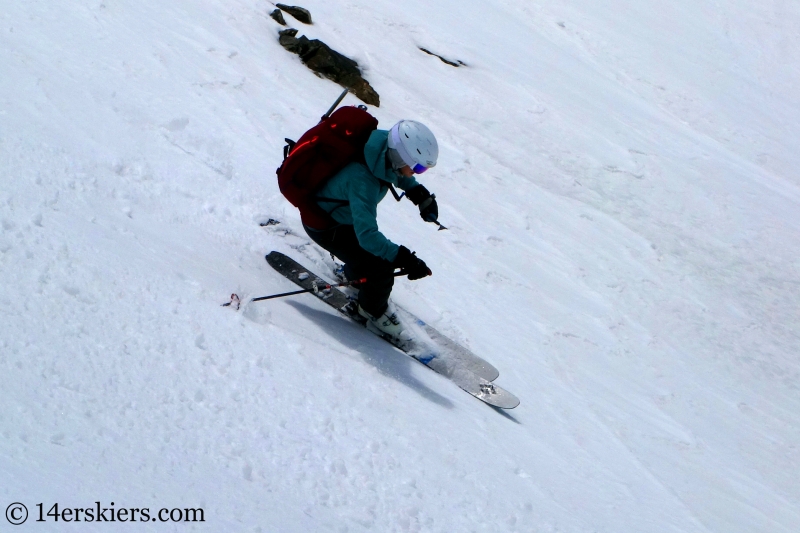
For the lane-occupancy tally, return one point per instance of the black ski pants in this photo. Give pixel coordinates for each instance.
(342, 242)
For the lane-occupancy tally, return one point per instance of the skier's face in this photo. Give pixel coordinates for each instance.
(406, 171)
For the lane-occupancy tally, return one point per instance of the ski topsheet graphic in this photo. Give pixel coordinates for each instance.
(426, 344)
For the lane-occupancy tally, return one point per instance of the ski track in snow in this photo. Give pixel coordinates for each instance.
(620, 185)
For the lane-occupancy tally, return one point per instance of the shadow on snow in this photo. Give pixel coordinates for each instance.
(385, 358)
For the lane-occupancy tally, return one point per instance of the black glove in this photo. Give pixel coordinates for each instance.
(411, 264)
(428, 209)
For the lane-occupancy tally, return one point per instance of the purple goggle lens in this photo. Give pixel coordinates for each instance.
(419, 169)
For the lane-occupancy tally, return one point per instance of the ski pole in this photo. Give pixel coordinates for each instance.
(317, 288)
(336, 103)
(441, 227)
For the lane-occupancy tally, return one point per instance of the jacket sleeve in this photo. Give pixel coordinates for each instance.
(406, 183)
(364, 195)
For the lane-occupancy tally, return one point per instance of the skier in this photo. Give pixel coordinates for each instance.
(351, 197)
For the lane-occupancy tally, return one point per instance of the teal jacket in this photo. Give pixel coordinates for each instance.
(363, 187)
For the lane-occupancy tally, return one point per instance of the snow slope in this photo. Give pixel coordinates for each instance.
(620, 184)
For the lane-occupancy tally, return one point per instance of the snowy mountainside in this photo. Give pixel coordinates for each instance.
(620, 185)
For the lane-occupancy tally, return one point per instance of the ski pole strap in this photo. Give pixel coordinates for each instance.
(397, 197)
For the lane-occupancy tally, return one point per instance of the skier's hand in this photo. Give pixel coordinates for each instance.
(428, 209)
(411, 264)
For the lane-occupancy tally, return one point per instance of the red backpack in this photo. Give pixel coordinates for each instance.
(318, 155)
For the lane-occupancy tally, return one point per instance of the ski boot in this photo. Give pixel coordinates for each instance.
(388, 323)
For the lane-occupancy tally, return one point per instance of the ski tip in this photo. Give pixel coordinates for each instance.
(507, 402)
(276, 259)
(512, 405)
(491, 393)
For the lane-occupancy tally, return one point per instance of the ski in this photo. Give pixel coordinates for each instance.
(443, 355)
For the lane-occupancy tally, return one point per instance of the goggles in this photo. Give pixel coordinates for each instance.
(419, 169)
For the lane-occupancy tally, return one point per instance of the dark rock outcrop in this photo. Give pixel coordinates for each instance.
(330, 64)
(301, 14)
(278, 16)
(456, 63)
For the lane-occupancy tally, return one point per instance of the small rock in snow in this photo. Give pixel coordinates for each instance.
(301, 14)
(278, 16)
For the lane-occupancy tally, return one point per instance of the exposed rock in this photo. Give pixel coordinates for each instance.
(456, 63)
(330, 64)
(287, 38)
(278, 16)
(301, 14)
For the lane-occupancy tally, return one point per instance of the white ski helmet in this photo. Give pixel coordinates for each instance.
(415, 144)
